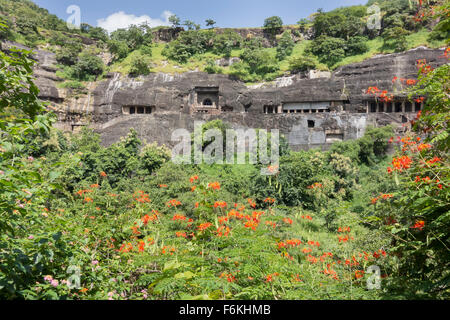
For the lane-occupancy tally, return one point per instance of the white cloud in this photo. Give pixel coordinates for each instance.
(120, 20)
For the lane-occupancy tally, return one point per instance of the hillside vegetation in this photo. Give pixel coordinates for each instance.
(367, 219)
(339, 37)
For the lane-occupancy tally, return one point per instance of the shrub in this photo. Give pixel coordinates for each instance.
(67, 56)
(356, 45)
(395, 39)
(224, 43)
(118, 49)
(329, 50)
(88, 66)
(139, 65)
(285, 46)
(273, 25)
(188, 44)
(302, 63)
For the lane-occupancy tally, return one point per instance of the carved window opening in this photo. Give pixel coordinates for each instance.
(140, 110)
(389, 107)
(207, 97)
(404, 119)
(418, 106)
(207, 102)
(227, 109)
(270, 109)
(373, 107)
(307, 107)
(398, 107)
(408, 107)
(381, 107)
(311, 124)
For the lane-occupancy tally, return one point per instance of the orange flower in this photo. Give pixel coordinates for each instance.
(223, 231)
(251, 224)
(359, 274)
(173, 203)
(221, 204)
(401, 163)
(315, 186)
(135, 230)
(424, 146)
(163, 186)
(419, 225)
(179, 217)
(194, 178)
(181, 234)
(271, 223)
(269, 278)
(214, 185)
(222, 220)
(103, 174)
(269, 200)
(204, 226)
(288, 220)
(141, 246)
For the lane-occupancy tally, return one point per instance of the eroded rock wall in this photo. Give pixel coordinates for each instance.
(339, 105)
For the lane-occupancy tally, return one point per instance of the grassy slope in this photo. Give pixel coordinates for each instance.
(198, 63)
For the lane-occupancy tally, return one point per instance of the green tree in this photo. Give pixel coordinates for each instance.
(88, 66)
(302, 63)
(395, 39)
(67, 56)
(118, 49)
(225, 42)
(210, 23)
(329, 50)
(356, 45)
(190, 25)
(140, 65)
(175, 21)
(285, 46)
(273, 25)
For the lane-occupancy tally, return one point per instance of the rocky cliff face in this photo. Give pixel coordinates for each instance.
(309, 112)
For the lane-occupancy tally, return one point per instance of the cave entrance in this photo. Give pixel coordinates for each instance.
(139, 110)
(207, 97)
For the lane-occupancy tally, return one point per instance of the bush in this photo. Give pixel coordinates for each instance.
(329, 50)
(356, 45)
(67, 56)
(134, 36)
(139, 65)
(256, 65)
(395, 39)
(5, 30)
(87, 66)
(303, 63)
(285, 46)
(212, 68)
(188, 44)
(273, 25)
(224, 43)
(118, 49)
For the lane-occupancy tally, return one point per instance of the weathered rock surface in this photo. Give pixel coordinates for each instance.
(310, 112)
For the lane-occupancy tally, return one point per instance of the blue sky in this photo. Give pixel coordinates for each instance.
(227, 13)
